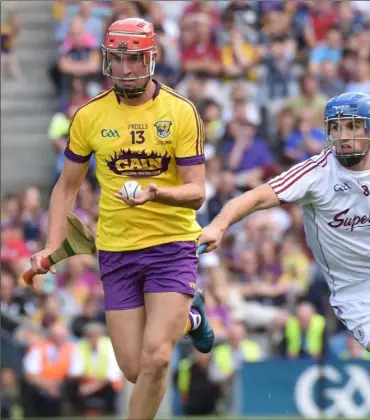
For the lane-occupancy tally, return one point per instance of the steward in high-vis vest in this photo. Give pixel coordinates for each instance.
(224, 355)
(305, 333)
(198, 392)
(228, 357)
(99, 377)
(225, 360)
(47, 365)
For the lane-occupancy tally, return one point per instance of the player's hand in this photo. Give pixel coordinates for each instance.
(212, 236)
(149, 194)
(35, 261)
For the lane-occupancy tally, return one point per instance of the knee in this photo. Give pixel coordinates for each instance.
(129, 371)
(131, 376)
(155, 360)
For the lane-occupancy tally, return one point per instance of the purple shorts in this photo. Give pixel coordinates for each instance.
(127, 275)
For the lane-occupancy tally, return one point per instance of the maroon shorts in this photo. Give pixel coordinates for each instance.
(127, 275)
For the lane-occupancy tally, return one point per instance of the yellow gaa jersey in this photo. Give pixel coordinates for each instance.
(144, 143)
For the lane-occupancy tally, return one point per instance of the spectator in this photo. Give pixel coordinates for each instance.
(229, 357)
(91, 312)
(14, 250)
(46, 367)
(123, 10)
(49, 312)
(362, 83)
(10, 395)
(347, 68)
(217, 308)
(166, 29)
(280, 75)
(295, 266)
(271, 270)
(10, 27)
(58, 135)
(31, 217)
(10, 210)
(331, 49)
(276, 23)
(93, 25)
(238, 57)
(309, 98)
(198, 391)
(359, 43)
(196, 7)
(245, 154)
(286, 122)
(164, 73)
(330, 84)
(16, 302)
(96, 373)
(307, 140)
(78, 58)
(349, 19)
(305, 333)
(211, 114)
(246, 19)
(201, 56)
(322, 16)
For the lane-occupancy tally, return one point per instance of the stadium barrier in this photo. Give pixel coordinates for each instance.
(304, 388)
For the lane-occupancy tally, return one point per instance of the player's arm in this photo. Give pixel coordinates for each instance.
(62, 201)
(260, 198)
(297, 184)
(189, 155)
(78, 153)
(65, 190)
(191, 194)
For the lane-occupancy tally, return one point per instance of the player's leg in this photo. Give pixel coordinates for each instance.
(170, 276)
(166, 315)
(124, 305)
(355, 315)
(126, 330)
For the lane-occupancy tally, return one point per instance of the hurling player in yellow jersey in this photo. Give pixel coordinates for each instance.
(140, 130)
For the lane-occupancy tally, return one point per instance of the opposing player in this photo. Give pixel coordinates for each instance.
(333, 189)
(140, 130)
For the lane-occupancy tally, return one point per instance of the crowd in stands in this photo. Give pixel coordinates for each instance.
(259, 73)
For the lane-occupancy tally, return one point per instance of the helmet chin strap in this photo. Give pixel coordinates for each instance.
(130, 93)
(349, 160)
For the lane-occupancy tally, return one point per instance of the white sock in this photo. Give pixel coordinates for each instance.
(195, 318)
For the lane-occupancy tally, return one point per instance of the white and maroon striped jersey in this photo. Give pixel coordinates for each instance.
(336, 214)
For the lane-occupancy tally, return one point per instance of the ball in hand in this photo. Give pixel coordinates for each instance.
(131, 189)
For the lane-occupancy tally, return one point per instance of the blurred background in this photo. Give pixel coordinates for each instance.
(259, 73)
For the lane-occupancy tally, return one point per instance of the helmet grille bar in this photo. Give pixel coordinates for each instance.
(125, 33)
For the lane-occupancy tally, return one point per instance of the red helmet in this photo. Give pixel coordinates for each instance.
(132, 36)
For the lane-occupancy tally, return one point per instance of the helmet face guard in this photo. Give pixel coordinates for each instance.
(334, 138)
(113, 64)
(129, 40)
(353, 110)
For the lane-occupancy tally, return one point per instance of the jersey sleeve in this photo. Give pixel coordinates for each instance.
(190, 138)
(78, 148)
(298, 183)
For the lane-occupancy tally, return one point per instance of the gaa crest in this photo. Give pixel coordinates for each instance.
(163, 128)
